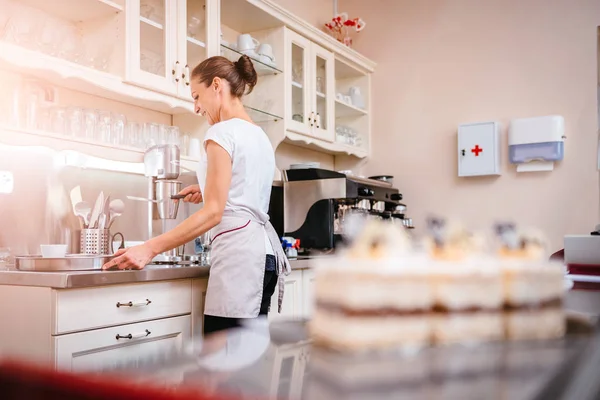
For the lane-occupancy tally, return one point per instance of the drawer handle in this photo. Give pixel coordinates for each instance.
(134, 335)
(134, 303)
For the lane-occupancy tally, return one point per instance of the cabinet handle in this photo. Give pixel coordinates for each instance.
(134, 335)
(176, 72)
(318, 121)
(186, 75)
(311, 119)
(138, 303)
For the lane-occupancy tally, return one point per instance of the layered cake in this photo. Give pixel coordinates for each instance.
(467, 285)
(533, 286)
(384, 292)
(376, 295)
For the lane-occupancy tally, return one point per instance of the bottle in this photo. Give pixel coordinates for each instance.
(198, 246)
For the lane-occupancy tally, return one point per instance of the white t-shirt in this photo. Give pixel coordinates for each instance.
(252, 169)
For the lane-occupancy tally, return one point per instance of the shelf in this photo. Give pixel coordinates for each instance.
(196, 42)
(153, 24)
(76, 10)
(152, 38)
(125, 158)
(345, 71)
(321, 95)
(297, 85)
(260, 116)
(343, 109)
(87, 80)
(260, 67)
(323, 146)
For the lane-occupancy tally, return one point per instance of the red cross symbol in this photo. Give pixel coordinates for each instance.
(476, 150)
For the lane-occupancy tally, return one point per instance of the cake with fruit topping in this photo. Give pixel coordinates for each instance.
(383, 292)
(467, 285)
(376, 295)
(533, 286)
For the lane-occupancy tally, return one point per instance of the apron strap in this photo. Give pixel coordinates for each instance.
(283, 264)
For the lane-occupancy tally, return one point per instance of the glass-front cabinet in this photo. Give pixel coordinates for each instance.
(165, 40)
(322, 103)
(310, 87)
(299, 103)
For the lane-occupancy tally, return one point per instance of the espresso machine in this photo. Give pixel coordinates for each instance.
(162, 167)
(316, 202)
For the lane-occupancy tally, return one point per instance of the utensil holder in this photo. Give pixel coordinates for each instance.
(95, 241)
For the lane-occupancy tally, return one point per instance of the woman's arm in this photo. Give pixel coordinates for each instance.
(218, 180)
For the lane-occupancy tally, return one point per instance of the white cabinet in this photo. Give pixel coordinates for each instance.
(104, 306)
(298, 296)
(165, 39)
(289, 366)
(198, 299)
(308, 278)
(101, 327)
(120, 346)
(292, 299)
(310, 88)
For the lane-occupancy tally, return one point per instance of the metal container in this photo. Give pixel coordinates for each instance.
(167, 207)
(94, 241)
(73, 262)
(162, 161)
(98, 241)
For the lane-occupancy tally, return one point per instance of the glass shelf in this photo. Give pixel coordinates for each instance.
(260, 67)
(259, 116)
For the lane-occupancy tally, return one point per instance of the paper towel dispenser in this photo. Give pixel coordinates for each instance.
(534, 144)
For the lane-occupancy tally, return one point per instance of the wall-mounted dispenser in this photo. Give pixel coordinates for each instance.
(534, 144)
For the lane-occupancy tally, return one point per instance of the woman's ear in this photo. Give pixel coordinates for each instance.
(217, 84)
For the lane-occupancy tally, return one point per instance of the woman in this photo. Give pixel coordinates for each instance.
(235, 177)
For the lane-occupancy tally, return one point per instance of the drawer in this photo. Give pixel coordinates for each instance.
(99, 307)
(109, 348)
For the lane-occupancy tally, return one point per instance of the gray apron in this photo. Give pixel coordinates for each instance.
(237, 270)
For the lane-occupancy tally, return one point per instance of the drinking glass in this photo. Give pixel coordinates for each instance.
(58, 120)
(118, 122)
(135, 136)
(150, 134)
(162, 134)
(75, 122)
(103, 127)
(90, 119)
(173, 135)
(5, 254)
(185, 144)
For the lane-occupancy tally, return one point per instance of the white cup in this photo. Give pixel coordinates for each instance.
(246, 42)
(266, 50)
(195, 148)
(53, 250)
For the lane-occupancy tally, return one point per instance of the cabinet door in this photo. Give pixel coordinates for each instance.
(288, 372)
(323, 98)
(192, 38)
(297, 78)
(308, 277)
(292, 299)
(151, 40)
(109, 348)
(198, 299)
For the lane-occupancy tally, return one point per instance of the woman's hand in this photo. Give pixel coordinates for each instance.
(136, 257)
(192, 194)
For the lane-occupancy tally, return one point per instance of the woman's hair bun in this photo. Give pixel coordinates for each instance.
(245, 69)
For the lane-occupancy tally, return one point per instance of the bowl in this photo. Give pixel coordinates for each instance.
(53, 250)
